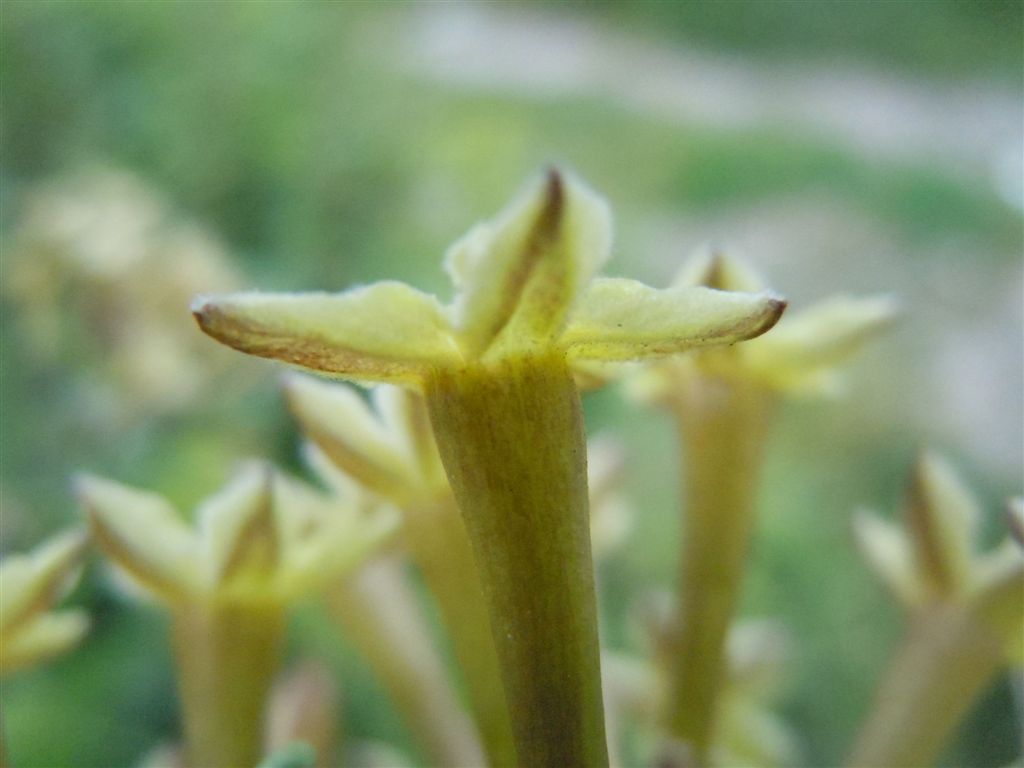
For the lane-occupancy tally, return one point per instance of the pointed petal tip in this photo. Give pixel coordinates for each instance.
(554, 181)
(201, 307)
(774, 307)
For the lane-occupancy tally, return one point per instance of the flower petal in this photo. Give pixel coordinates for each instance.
(940, 517)
(143, 535)
(34, 582)
(340, 534)
(620, 319)
(997, 598)
(43, 637)
(807, 345)
(888, 552)
(382, 332)
(327, 472)
(711, 268)
(342, 425)
(404, 413)
(518, 275)
(240, 532)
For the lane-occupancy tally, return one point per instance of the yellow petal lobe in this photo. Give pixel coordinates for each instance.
(620, 319)
(382, 332)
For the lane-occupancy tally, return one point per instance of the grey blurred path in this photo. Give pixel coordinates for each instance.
(973, 128)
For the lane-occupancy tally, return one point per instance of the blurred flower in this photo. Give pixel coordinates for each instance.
(263, 537)
(966, 617)
(933, 560)
(748, 732)
(261, 542)
(30, 632)
(801, 355)
(722, 400)
(101, 263)
(386, 447)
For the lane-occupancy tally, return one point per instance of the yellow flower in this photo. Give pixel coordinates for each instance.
(254, 540)
(800, 356)
(30, 632)
(261, 541)
(495, 370)
(525, 283)
(966, 622)
(932, 560)
(749, 732)
(385, 446)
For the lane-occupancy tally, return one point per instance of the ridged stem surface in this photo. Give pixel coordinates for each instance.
(511, 437)
(437, 541)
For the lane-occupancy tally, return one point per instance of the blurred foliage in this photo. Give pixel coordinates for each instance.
(941, 38)
(285, 131)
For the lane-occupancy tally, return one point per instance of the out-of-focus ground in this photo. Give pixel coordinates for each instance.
(972, 131)
(153, 151)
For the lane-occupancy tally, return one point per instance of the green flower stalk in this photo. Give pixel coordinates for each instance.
(259, 545)
(389, 451)
(722, 402)
(387, 448)
(495, 368)
(966, 617)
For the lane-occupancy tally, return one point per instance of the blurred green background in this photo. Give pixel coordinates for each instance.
(154, 150)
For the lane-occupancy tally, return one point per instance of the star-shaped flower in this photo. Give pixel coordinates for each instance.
(30, 632)
(254, 540)
(495, 369)
(932, 560)
(524, 281)
(749, 732)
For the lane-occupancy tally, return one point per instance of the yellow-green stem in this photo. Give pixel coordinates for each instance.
(946, 660)
(227, 656)
(439, 545)
(723, 427)
(380, 615)
(511, 438)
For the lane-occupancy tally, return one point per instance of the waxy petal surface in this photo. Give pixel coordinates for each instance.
(518, 276)
(239, 531)
(43, 637)
(33, 582)
(343, 426)
(382, 332)
(142, 533)
(806, 347)
(620, 319)
(887, 550)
